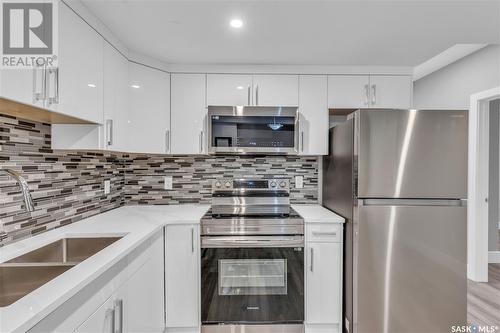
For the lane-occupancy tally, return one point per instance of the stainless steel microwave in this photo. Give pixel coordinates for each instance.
(253, 130)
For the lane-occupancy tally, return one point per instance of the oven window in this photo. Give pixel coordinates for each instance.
(252, 277)
(253, 131)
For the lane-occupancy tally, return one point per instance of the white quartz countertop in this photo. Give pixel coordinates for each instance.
(134, 223)
(317, 214)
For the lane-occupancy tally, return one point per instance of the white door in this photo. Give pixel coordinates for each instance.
(313, 113)
(76, 87)
(116, 100)
(276, 90)
(390, 91)
(139, 303)
(188, 113)
(323, 283)
(229, 89)
(149, 110)
(348, 91)
(101, 321)
(182, 275)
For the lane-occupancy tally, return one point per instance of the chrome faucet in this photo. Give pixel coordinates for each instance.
(23, 184)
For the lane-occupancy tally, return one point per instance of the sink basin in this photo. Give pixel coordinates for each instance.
(23, 274)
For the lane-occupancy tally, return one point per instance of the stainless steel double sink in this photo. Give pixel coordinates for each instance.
(23, 274)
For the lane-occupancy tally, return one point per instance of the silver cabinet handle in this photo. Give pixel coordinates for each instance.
(302, 140)
(118, 316)
(201, 142)
(39, 95)
(248, 95)
(324, 233)
(367, 94)
(53, 72)
(312, 260)
(192, 240)
(109, 318)
(374, 94)
(167, 141)
(256, 95)
(109, 131)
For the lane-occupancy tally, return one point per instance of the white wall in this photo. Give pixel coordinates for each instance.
(451, 86)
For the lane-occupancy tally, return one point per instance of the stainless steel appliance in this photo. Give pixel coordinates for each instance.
(399, 177)
(252, 259)
(252, 130)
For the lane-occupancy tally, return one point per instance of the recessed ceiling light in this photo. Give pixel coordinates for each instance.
(91, 85)
(135, 86)
(236, 23)
(239, 87)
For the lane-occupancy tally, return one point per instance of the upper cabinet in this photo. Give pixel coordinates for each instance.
(313, 115)
(369, 91)
(229, 89)
(149, 110)
(276, 90)
(252, 90)
(75, 88)
(188, 114)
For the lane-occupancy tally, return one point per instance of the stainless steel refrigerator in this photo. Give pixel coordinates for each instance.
(399, 177)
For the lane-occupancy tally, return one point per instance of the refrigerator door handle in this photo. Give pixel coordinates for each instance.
(414, 202)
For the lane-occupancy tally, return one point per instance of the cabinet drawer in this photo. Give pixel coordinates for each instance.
(324, 233)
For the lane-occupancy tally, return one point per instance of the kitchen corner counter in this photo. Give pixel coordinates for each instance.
(134, 223)
(317, 214)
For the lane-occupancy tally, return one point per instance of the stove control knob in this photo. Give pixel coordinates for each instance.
(218, 184)
(282, 184)
(273, 184)
(227, 184)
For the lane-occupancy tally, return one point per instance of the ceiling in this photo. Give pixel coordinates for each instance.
(388, 33)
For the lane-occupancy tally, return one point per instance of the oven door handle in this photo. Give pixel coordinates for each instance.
(251, 241)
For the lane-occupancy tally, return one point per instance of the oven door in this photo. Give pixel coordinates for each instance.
(254, 130)
(252, 280)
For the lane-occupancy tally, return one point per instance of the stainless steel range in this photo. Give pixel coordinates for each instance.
(252, 259)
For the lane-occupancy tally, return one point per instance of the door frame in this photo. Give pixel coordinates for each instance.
(478, 177)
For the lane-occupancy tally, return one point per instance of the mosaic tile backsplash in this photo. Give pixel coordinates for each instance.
(68, 186)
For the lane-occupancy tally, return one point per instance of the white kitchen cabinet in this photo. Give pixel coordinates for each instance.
(390, 91)
(369, 91)
(103, 320)
(229, 89)
(114, 133)
(188, 94)
(23, 85)
(275, 90)
(348, 91)
(313, 115)
(182, 277)
(75, 88)
(149, 110)
(323, 277)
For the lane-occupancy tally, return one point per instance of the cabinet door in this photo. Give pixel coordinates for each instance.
(101, 321)
(182, 274)
(23, 85)
(323, 283)
(188, 113)
(276, 90)
(149, 113)
(313, 109)
(348, 91)
(139, 302)
(76, 89)
(229, 89)
(390, 91)
(116, 100)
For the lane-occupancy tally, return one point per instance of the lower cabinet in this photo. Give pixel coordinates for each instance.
(323, 278)
(182, 274)
(128, 297)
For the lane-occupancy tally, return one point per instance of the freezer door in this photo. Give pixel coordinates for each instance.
(412, 154)
(410, 268)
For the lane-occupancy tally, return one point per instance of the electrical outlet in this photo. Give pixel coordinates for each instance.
(167, 185)
(107, 187)
(299, 181)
